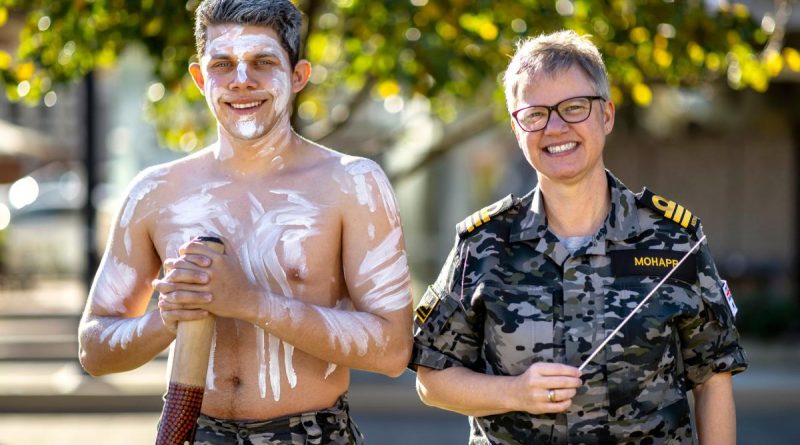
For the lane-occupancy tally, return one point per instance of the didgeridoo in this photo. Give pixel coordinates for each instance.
(187, 380)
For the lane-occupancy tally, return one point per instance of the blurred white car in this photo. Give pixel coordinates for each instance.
(41, 221)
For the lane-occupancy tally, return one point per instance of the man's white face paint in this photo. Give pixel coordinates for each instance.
(241, 71)
(256, 84)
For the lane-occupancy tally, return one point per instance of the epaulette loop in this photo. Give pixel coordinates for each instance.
(484, 215)
(669, 209)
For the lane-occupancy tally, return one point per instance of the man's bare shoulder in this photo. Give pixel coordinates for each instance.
(360, 183)
(347, 173)
(161, 183)
(174, 173)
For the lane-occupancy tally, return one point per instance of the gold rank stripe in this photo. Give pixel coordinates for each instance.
(674, 211)
(478, 218)
(484, 216)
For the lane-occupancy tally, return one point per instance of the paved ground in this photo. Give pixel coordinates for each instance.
(46, 400)
(773, 427)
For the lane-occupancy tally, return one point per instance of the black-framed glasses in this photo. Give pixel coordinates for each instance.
(572, 111)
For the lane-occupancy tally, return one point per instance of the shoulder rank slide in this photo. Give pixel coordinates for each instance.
(426, 305)
(670, 210)
(484, 215)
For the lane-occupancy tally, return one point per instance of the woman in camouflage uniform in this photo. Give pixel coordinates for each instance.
(534, 285)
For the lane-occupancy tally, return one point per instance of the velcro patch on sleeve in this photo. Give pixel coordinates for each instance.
(656, 263)
(729, 297)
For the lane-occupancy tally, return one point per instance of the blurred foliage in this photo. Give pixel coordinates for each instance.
(444, 50)
(767, 316)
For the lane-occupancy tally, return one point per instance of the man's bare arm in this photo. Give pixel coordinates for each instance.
(115, 333)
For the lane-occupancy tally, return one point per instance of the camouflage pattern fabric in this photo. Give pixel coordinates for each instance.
(510, 295)
(332, 426)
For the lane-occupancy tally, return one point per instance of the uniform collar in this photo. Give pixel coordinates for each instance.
(621, 223)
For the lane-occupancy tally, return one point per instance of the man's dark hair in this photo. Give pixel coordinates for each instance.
(280, 15)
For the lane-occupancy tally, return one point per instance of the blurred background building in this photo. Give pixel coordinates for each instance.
(731, 156)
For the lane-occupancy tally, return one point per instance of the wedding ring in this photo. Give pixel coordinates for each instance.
(551, 395)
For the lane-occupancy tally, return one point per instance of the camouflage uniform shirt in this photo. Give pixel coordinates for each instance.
(510, 295)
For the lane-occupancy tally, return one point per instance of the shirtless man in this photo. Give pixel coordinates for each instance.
(314, 279)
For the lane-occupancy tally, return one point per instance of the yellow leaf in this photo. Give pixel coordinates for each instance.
(740, 10)
(487, 31)
(25, 70)
(713, 62)
(5, 60)
(774, 63)
(388, 88)
(662, 58)
(792, 58)
(153, 27)
(639, 34)
(642, 95)
(446, 30)
(316, 47)
(696, 53)
(106, 58)
(616, 95)
(3, 16)
(733, 37)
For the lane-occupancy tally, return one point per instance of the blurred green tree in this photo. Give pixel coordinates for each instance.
(447, 51)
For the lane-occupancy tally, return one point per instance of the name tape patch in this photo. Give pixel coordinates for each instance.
(656, 263)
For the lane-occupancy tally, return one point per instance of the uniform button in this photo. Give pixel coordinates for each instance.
(244, 434)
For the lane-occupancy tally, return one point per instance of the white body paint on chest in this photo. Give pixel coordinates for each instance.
(283, 228)
(199, 214)
(280, 229)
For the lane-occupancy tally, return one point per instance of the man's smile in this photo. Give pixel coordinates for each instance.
(248, 107)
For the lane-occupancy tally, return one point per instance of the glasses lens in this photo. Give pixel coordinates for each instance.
(575, 110)
(533, 118)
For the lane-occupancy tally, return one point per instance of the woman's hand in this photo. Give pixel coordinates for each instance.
(545, 388)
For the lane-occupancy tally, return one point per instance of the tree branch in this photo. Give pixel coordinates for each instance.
(782, 12)
(321, 130)
(456, 134)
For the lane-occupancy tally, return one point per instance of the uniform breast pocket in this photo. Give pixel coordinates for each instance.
(641, 358)
(518, 329)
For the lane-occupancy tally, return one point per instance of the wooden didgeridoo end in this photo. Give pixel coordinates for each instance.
(188, 378)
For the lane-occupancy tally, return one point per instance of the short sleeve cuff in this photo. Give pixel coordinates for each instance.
(430, 358)
(734, 362)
